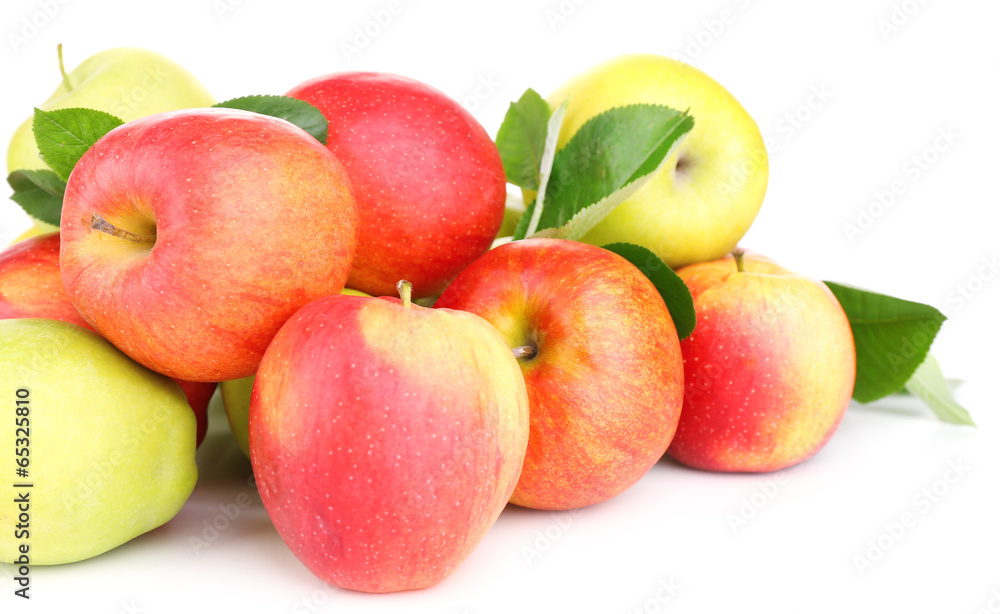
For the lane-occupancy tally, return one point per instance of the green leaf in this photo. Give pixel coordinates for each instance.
(39, 192)
(521, 139)
(891, 338)
(610, 151)
(929, 384)
(532, 215)
(298, 112)
(672, 288)
(64, 135)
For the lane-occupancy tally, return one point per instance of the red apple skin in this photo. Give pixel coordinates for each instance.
(769, 369)
(31, 287)
(428, 178)
(385, 440)
(253, 218)
(606, 385)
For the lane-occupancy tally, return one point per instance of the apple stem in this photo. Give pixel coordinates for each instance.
(405, 290)
(99, 223)
(525, 351)
(62, 69)
(738, 256)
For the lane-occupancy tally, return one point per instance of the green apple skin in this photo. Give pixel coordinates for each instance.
(112, 444)
(386, 438)
(768, 371)
(236, 400)
(707, 195)
(31, 287)
(606, 383)
(246, 219)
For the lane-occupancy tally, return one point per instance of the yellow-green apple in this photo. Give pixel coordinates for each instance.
(189, 237)
(386, 438)
(768, 370)
(107, 445)
(601, 362)
(429, 181)
(236, 400)
(31, 287)
(704, 199)
(127, 82)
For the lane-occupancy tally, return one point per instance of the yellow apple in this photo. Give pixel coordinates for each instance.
(708, 193)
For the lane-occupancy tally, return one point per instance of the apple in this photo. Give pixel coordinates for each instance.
(768, 371)
(189, 237)
(386, 438)
(31, 287)
(704, 199)
(236, 400)
(127, 82)
(109, 444)
(601, 362)
(428, 178)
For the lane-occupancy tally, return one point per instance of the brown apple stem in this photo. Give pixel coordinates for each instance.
(738, 256)
(405, 290)
(99, 223)
(62, 69)
(525, 351)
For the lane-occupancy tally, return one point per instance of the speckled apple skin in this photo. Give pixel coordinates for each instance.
(386, 440)
(605, 388)
(768, 370)
(428, 178)
(253, 219)
(32, 287)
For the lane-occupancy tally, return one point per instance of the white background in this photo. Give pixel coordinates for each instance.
(888, 96)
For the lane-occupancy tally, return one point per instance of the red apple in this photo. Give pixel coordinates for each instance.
(429, 181)
(31, 287)
(601, 361)
(189, 237)
(768, 371)
(386, 438)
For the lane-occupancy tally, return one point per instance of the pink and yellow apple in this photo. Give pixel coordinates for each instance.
(189, 237)
(768, 370)
(386, 438)
(428, 178)
(600, 357)
(31, 287)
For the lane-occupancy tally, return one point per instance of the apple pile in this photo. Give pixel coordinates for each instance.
(404, 349)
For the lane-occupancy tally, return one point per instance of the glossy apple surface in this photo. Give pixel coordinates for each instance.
(222, 224)
(768, 370)
(709, 191)
(605, 379)
(31, 287)
(386, 439)
(428, 178)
